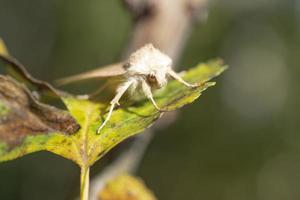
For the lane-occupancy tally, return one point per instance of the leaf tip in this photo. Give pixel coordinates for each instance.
(3, 48)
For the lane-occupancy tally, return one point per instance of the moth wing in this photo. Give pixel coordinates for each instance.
(112, 70)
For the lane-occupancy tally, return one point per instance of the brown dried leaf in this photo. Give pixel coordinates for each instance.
(22, 115)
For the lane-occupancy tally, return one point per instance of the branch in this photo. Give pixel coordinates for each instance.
(166, 24)
(137, 7)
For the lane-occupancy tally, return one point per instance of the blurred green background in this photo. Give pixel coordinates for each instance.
(240, 141)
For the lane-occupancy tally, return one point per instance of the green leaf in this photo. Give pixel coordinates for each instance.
(34, 126)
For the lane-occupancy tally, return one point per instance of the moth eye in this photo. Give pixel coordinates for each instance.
(151, 78)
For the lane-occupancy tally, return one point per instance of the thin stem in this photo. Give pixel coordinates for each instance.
(84, 183)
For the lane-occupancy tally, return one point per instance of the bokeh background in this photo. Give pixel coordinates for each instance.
(240, 141)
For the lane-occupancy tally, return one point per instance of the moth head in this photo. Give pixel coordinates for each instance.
(152, 63)
(156, 80)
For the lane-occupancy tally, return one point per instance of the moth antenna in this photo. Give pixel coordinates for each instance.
(112, 70)
(99, 90)
(67, 80)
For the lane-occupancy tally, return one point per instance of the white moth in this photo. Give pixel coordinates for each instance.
(145, 70)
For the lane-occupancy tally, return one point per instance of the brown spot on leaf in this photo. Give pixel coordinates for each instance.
(26, 116)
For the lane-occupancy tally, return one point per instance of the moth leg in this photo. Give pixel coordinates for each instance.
(120, 91)
(147, 90)
(178, 78)
(112, 106)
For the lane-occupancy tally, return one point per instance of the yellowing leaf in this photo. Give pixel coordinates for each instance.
(126, 187)
(3, 49)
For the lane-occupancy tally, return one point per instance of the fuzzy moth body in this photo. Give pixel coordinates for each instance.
(145, 70)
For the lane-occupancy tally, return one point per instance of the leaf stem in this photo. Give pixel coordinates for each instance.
(84, 183)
